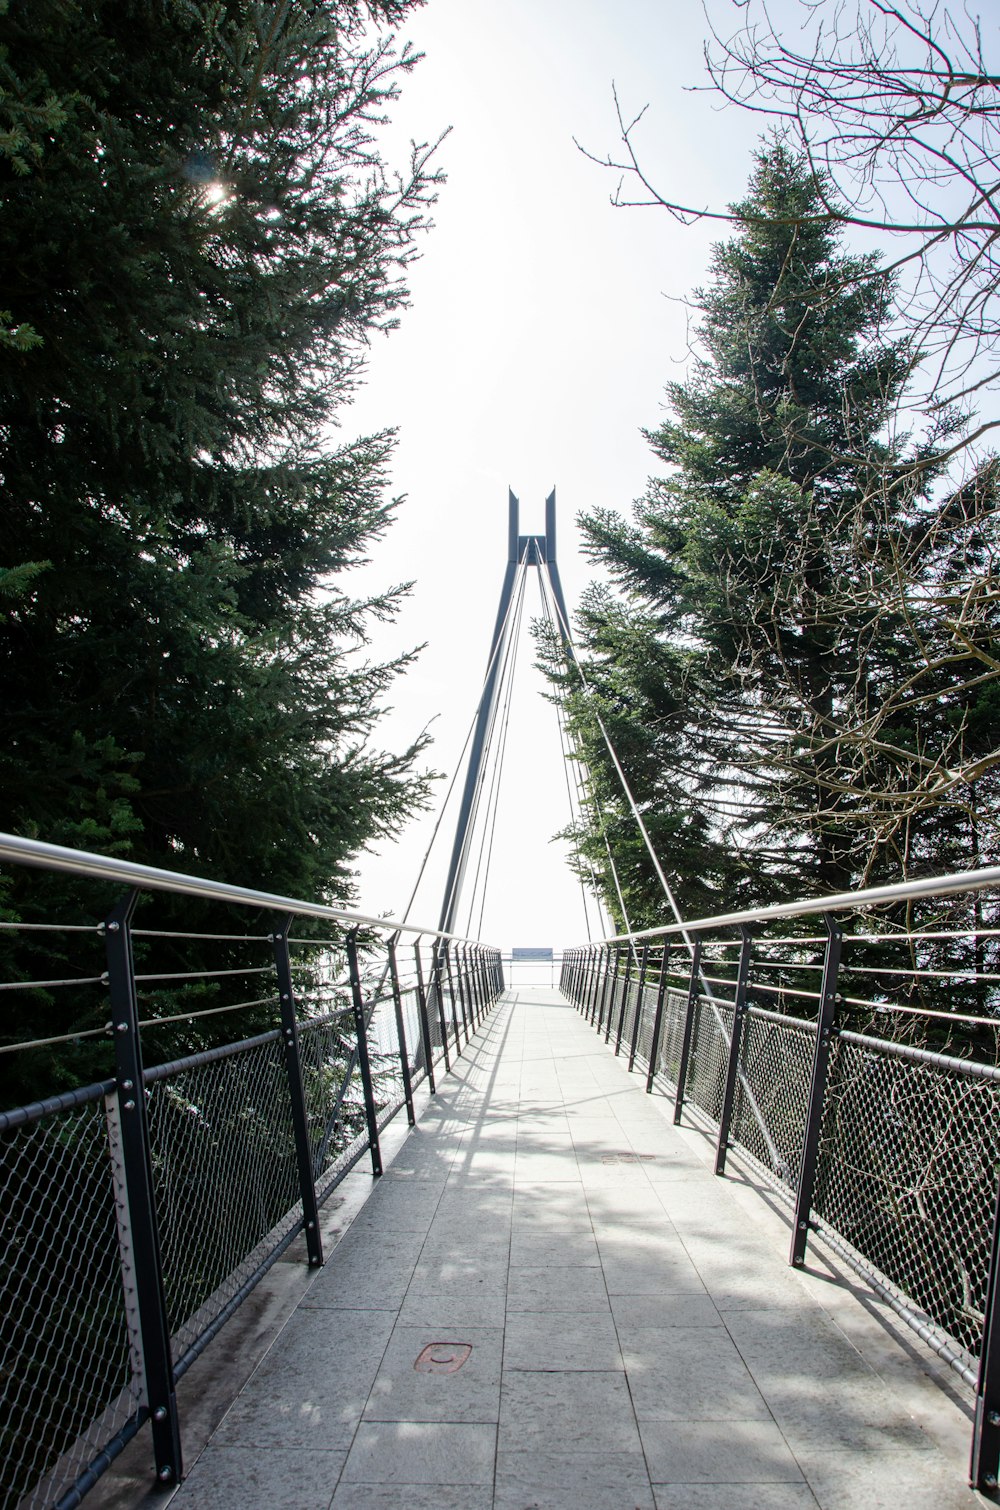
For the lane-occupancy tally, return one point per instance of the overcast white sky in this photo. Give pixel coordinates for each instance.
(544, 325)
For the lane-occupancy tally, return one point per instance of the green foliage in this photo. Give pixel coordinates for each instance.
(801, 660)
(199, 238)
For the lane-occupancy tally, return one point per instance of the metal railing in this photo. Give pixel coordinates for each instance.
(139, 1210)
(856, 1065)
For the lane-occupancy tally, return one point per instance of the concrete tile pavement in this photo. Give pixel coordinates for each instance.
(635, 1339)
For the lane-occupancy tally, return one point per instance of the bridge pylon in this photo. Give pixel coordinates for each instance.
(538, 551)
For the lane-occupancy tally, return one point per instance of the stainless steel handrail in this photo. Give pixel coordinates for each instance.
(80, 862)
(842, 901)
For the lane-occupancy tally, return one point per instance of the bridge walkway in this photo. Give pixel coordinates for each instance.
(633, 1338)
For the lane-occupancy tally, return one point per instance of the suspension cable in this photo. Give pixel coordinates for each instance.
(509, 650)
(496, 775)
(556, 620)
(521, 573)
(633, 805)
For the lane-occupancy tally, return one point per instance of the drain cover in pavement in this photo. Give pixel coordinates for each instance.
(629, 1158)
(442, 1357)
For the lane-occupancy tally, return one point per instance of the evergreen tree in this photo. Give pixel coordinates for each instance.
(199, 237)
(768, 654)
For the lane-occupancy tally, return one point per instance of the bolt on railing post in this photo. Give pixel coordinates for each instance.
(293, 1070)
(984, 1468)
(437, 987)
(153, 1322)
(640, 988)
(661, 996)
(425, 1026)
(689, 1011)
(404, 1057)
(364, 1063)
(817, 1091)
(621, 1014)
(733, 1067)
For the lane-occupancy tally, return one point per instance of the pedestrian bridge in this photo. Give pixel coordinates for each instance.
(330, 1218)
(547, 1295)
(549, 1300)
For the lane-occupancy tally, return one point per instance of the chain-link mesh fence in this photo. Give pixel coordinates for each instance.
(909, 1150)
(908, 1174)
(225, 1179)
(215, 1132)
(68, 1383)
(772, 1096)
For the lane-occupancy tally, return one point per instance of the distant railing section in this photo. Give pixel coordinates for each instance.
(855, 1065)
(140, 1210)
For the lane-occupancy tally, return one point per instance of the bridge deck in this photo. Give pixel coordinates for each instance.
(637, 1339)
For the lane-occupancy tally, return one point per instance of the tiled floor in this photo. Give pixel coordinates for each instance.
(635, 1342)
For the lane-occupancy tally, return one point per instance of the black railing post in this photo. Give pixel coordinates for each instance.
(152, 1320)
(733, 1067)
(640, 988)
(609, 971)
(817, 1091)
(984, 1468)
(404, 1055)
(364, 1064)
(689, 1014)
(624, 1006)
(600, 979)
(454, 1009)
(437, 987)
(462, 994)
(661, 997)
(469, 970)
(425, 1027)
(293, 1069)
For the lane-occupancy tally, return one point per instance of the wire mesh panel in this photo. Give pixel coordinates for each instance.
(416, 1057)
(773, 1092)
(627, 1018)
(66, 1377)
(383, 1049)
(706, 1079)
(335, 1103)
(646, 1011)
(668, 1063)
(908, 1175)
(225, 1177)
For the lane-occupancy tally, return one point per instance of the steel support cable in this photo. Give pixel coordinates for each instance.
(506, 641)
(493, 796)
(581, 777)
(522, 570)
(504, 696)
(572, 756)
(556, 620)
(509, 650)
(751, 1100)
(630, 799)
(573, 809)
